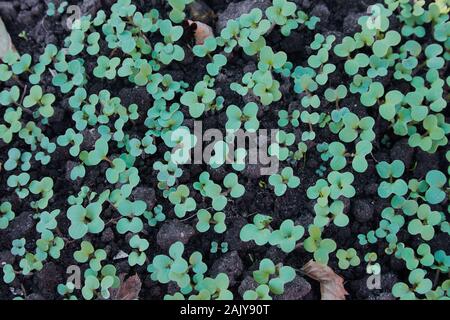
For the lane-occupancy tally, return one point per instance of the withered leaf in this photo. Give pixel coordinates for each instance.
(331, 285)
(128, 290)
(5, 40)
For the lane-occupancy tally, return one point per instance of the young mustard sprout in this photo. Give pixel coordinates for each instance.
(424, 224)
(183, 203)
(106, 68)
(138, 256)
(391, 171)
(281, 182)
(6, 214)
(131, 212)
(44, 101)
(16, 158)
(287, 236)
(280, 147)
(85, 220)
(177, 14)
(72, 138)
(199, 100)
(347, 258)
(274, 276)
(174, 267)
(321, 248)
(215, 247)
(9, 273)
(205, 219)
(247, 116)
(418, 284)
(259, 231)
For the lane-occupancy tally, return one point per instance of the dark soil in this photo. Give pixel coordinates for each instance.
(337, 17)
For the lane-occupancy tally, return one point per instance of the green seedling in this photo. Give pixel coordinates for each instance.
(337, 152)
(287, 236)
(71, 138)
(270, 60)
(43, 188)
(183, 203)
(131, 213)
(106, 68)
(9, 273)
(425, 222)
(381, 47)
(335, 95)
(285, 118)
(49, 245)
(44, 101)
(87, 253)
(19, 183)
(51, 9)
(441, 261)
(199, 100)
(355, 127)
(259, 231)
(174, 267)
(169, 51)
(372, 266)
(85, 220)
(29, 263)
(235, 189)
(321, 248)
(47, 221)
(177, 14)
(9, 97)
(280, 148)
(209, 189)
(281, 182)
(247, 116)
(213, 288)
(205, 219)
(100, 283)
(420, 285)
(208, 46)
(215, 247)
(138, 256)
(22, 64)
(18, 247)
(300, 153)
(260, 293)
(333, 213)
(320, 191)
(17, 159)
(155, 216)
(341, 184)
(310, 119)
(347, 258)
(436, 130)
(66, 290)
(436, 181)
(391, 171)
(118, 166)
(281, 11)
(274, 276)
(213, 68)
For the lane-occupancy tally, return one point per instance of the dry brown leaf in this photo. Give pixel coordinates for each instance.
(5, 40)
(202, 32)
(128, 290)
(331, 285)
